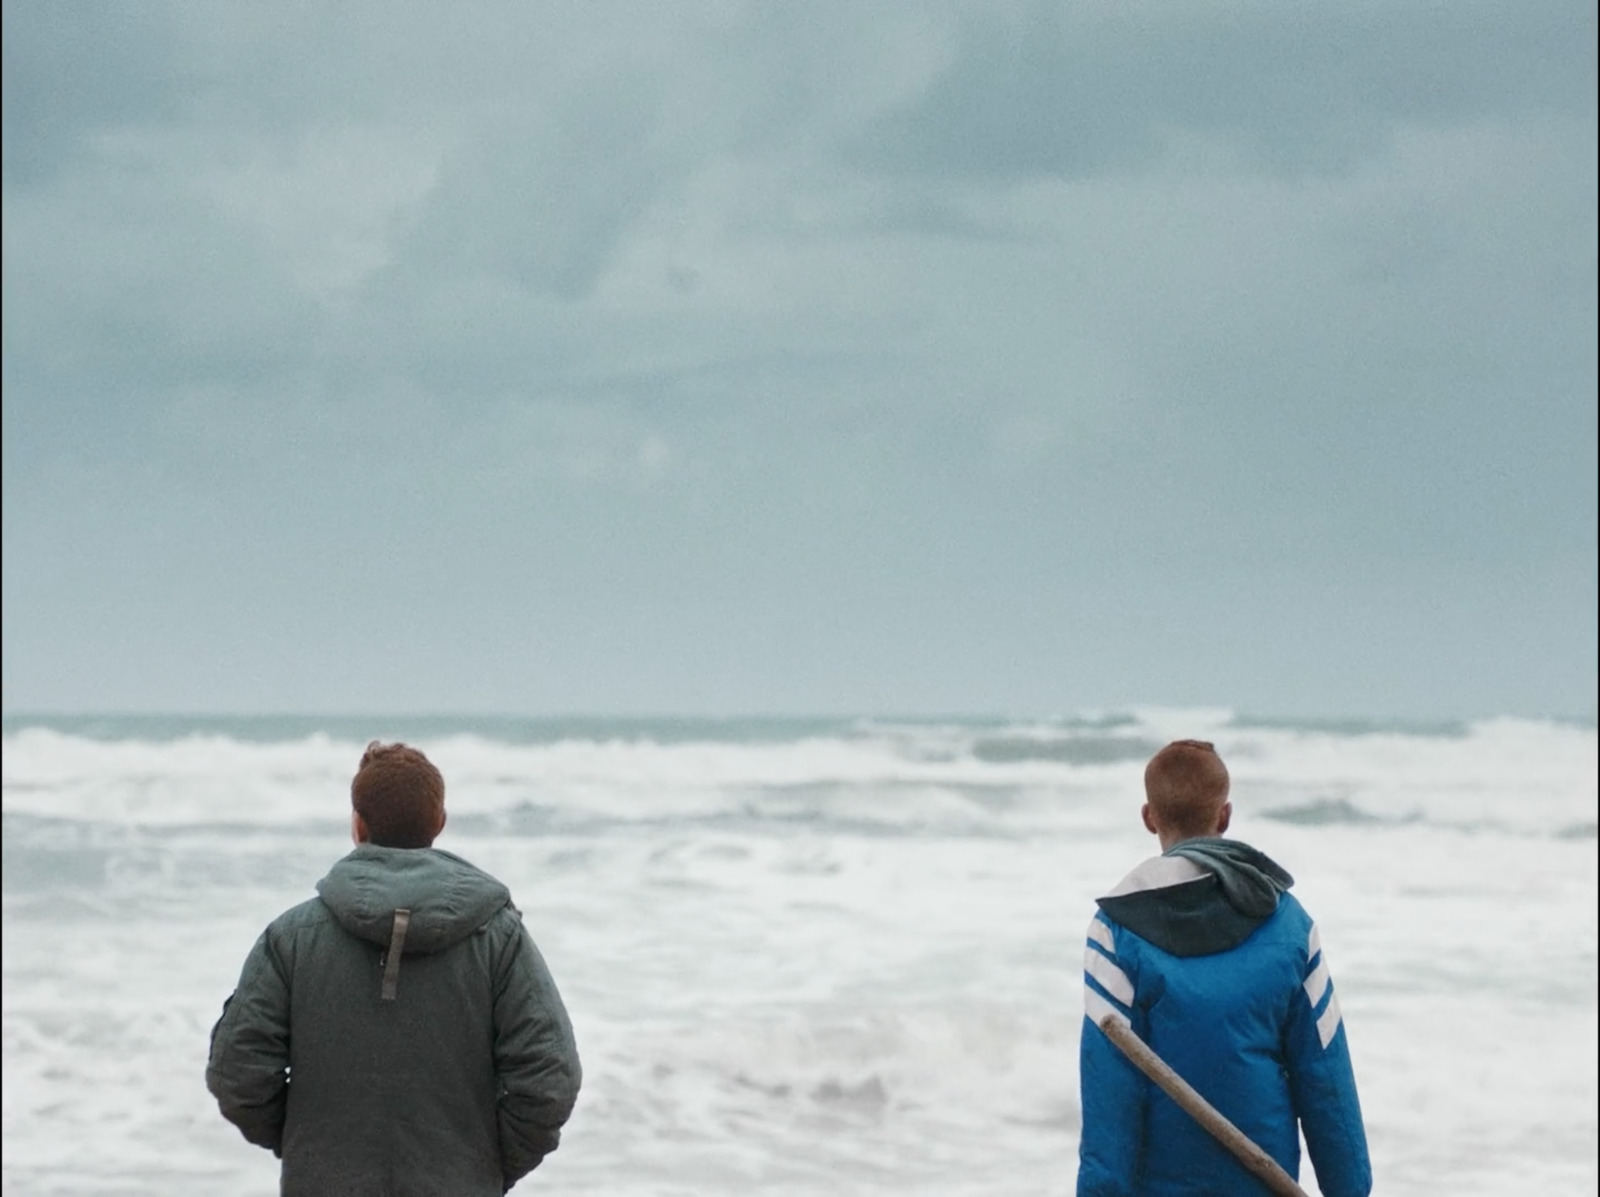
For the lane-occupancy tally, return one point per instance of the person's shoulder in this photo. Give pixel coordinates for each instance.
(1291, 911)
(505, 923)
(313, 912)
(1291, 925)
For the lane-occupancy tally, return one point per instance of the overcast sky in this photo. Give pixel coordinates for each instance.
(811, 358)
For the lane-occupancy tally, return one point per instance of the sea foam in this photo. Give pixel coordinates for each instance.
(809, 957)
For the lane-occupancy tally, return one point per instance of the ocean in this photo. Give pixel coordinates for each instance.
(823, 957)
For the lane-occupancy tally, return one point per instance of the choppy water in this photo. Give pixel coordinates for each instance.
(808, 958)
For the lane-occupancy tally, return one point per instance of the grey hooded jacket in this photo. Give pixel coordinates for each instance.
(448, 1069)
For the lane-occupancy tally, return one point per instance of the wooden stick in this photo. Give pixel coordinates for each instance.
(1153, 1066)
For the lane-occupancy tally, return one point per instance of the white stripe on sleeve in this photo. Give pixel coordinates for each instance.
(1313, 942)
(1101, 934)
(1112, 979)
(1328, 1024)
(1317, 983)
(1095, 1007)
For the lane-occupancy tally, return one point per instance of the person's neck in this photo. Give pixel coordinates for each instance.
(1170, 840)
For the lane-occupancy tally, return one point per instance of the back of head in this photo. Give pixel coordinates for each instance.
(1186, 784)
(399, 795)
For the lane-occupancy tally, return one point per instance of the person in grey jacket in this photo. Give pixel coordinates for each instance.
(399, 1033)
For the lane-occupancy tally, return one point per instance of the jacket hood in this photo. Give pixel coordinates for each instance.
(1201, 896)
(1250, 880)
(448, 898)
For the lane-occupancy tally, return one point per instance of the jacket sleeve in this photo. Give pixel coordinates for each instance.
(1323, 1082)
(1112, 1091)
(536, 1058)
(248, 1068)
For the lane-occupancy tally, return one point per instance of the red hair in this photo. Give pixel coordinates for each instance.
(399, 794)
(1186, 784)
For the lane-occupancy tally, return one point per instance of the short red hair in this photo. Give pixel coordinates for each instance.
(399, 794)
(1186, 784)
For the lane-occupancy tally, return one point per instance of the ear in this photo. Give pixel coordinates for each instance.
(358, 828)
(1149, 820)
(444, 817)
(1224, 816)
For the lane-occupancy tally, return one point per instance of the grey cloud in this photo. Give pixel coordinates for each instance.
(542, 204)
(72, 70)
(115, 292)
(216, 237)
(1077, 91)
(568, 333)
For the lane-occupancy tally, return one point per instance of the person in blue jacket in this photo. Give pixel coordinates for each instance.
(1221, 971)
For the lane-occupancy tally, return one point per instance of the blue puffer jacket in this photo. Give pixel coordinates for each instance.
(1223, 975)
